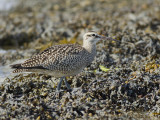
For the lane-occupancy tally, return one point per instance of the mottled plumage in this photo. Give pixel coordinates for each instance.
(62, 60)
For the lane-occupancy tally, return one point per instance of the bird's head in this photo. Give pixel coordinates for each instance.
(92, 37)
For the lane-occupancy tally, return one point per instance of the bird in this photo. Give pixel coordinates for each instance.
(62, 60)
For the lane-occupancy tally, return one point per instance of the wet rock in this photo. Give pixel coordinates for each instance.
(127, 88)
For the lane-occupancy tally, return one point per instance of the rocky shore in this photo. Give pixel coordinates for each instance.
(123, 82)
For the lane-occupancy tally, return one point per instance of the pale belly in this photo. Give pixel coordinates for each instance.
(62, 74)
(59, 73)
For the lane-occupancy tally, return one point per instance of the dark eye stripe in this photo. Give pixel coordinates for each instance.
(91, 35)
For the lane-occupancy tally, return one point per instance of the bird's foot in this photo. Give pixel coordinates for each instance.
(67, 85)
(58, 94)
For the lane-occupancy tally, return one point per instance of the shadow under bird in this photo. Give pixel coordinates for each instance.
(63, 60)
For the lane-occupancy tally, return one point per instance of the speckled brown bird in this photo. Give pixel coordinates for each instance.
(62, 60)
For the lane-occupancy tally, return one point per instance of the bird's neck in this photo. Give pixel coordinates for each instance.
(91, 48)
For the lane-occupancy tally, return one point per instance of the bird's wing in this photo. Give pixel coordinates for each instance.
(58, 57)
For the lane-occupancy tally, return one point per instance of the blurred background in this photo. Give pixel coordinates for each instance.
(27, 27)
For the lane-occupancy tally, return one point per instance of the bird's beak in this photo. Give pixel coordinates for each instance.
(107, 38)
(99, 36)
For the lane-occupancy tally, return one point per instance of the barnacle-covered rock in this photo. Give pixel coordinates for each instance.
(121, 83)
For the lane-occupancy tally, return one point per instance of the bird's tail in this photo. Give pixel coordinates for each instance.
(18, 68)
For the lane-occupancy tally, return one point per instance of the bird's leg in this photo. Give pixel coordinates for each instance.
(60, 83)
(57, 92)
(67, 84)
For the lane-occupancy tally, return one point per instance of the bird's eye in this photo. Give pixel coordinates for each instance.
(93, 35)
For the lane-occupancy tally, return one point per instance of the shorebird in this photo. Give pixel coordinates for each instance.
(62, 60)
